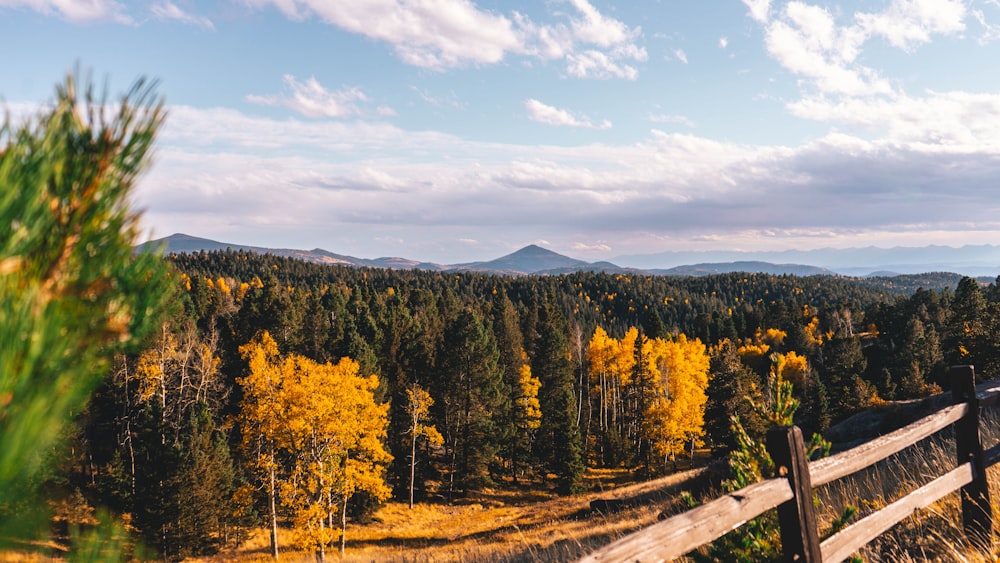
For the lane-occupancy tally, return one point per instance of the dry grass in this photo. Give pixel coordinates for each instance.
(931, 534)
(496, 526)
(528, 524)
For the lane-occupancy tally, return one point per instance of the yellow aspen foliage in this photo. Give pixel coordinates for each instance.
(813, 332)
(418, 408)
(625, 356)
(336, 430)
(611, 363)
(773, 336)
(751, 351)
(675, 412)
(177, 370)
(327, 426)
(527, 410)
(222, 285)
(241, 291)
(790, 367)
(262, 414)
(153, 365)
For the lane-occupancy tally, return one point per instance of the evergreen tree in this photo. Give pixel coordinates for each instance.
(733, 391)
(843, 364)
(964, 342)
(153, 506)
(559, 443)
(653, 326)
(471, 392)
(202, 488)
(513, 430)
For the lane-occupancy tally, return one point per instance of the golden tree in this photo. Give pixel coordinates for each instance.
(418, 407)
(675, 412)
(262, 413)
(527, 413)
(323, 419)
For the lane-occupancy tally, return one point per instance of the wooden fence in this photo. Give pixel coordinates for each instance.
(791, 492)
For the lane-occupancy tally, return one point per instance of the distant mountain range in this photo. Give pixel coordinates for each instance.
(968, 260)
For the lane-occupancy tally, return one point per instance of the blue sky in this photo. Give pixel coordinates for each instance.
(458, 130)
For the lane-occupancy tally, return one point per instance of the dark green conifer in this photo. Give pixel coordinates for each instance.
(470, 390)
(559, 444)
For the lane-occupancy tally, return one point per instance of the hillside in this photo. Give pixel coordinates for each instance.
(709, 269)
(970, 260)
(531, 259)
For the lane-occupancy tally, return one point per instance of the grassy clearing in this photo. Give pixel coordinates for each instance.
(498, 525)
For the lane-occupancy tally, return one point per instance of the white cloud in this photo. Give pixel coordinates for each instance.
(450, 100)
(723, 42)
(79, 11)
(311, 99)
(807, 39)
(759, 9)
(598, 29)
(596, 247)
(596, 64)
(906, 23)
(947, 120)
(681, 55)
(678, 119)
(169, 11)
(542, 113)
(991, 31)
(437, 35)
(445, 34)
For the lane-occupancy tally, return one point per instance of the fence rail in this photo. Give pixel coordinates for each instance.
(791, 493)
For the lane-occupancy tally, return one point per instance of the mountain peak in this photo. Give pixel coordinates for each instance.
(534, 250)
(531, 259)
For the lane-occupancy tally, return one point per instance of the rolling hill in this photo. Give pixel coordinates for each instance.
(530, 260)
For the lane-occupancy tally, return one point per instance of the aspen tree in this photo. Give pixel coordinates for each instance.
(418, 406)
(324, 422)
(527, 414)
(261, 417)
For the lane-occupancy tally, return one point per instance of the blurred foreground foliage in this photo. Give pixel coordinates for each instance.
(71, 292)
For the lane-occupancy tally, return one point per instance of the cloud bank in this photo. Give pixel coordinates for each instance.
(648, 195)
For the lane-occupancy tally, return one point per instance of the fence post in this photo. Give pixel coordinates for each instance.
(797, 517)
(977, 513)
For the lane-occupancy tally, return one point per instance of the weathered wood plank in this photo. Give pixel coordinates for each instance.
(991, 456)
(977, 511)
(837, 466)
(797, 517)
(988, 394)
(841, 545)
(684, 532)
